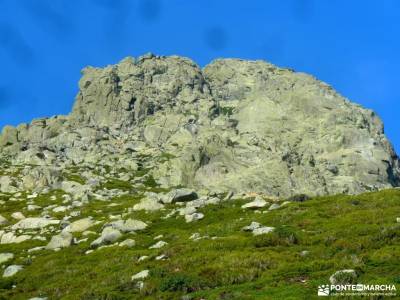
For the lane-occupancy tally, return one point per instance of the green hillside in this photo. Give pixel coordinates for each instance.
(311, 240)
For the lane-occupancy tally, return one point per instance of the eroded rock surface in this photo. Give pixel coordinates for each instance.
(236, 125)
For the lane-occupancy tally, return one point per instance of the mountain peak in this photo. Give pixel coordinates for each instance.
(234, 125)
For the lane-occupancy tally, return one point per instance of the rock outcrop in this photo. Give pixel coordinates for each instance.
(235, 125)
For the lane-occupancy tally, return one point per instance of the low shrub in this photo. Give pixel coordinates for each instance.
(299, 198)
(180, 282)
(281, 236)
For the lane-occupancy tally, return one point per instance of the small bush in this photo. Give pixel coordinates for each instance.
(229, 274)
(299, 198)
(94, 295)
(130, 286)
(117, 184)
(396, 279)
(226, 111)
(75, 177)
(6, 284)
(166, 157)
(389, 235)
(281, 236)
(180, 282)
(150, 182)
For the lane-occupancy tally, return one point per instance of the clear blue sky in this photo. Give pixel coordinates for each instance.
(352, 45)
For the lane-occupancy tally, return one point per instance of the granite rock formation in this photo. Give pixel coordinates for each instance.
(235, 125)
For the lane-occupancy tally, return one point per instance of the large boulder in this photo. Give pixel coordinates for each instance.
(39, 177)
(256, 203)
(7, 185)
(348, 276)
(128, 225)
(79, 225)
(4, 257)
(11, 238)
(108, 235)
(179, 195)
(34, 223)
(3, 221)
(12, 270)
(62, 240)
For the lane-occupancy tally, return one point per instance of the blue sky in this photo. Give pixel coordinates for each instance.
(352, 45)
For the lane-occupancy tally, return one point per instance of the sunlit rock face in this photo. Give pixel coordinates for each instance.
(235, 125)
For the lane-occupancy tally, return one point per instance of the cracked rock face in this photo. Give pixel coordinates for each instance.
(125, 94)
(244, 126)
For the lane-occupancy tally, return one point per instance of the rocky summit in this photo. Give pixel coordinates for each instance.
(167, 181)
(235, 125)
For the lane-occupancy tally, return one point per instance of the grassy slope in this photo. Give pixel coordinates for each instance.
(357, 232)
